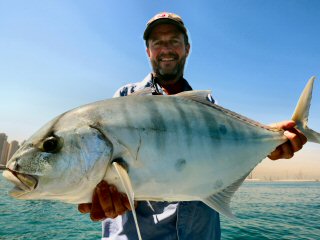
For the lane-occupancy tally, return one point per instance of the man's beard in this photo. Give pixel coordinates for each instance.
(169, 76)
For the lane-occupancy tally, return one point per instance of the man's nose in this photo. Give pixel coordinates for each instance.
(167, 46)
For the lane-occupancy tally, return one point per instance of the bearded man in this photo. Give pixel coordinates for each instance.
(168, 47)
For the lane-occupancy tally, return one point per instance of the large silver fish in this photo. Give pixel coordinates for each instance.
(160, 148)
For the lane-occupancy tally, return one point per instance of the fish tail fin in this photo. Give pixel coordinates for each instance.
(301, 113)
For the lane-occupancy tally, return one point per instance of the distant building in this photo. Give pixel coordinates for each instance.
(13, 147)
(3, 148)
(6, 149)
(3, 138)
(4, 154)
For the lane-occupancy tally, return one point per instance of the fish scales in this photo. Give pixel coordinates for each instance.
(171, 129)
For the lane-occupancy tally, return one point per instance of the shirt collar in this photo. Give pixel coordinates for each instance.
(159, 90)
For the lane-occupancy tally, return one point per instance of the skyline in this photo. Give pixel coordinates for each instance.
(255, 56)
(7, 148)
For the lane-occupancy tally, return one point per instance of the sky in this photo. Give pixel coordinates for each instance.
(256, 56)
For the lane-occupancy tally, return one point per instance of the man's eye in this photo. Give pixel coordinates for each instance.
(175, 42)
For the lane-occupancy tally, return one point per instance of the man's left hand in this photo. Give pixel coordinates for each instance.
(296, 140)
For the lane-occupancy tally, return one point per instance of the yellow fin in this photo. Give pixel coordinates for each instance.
(301, 113)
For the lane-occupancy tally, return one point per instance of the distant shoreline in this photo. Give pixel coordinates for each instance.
(281, 180)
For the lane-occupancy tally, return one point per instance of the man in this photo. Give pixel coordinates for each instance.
(167, 48)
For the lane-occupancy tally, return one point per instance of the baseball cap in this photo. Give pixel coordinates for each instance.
(164, 17)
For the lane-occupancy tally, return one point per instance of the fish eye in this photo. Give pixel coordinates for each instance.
(52, 144)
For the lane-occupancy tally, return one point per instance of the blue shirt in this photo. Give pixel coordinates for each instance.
(165, 220)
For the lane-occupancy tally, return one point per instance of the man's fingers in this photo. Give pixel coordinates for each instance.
(105, 199)
(300, 134)
(107, 202)
(96, 213)
(125, 201)
(119, 208)
(294, 140)
(287, 151)
(282, 151)
(276, 154)
(290, 126)
(84, 207)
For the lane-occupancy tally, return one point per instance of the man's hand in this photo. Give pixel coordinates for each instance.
(107, 202)
(296, 140)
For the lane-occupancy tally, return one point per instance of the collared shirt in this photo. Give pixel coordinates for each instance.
(148, 82)
(165, 220)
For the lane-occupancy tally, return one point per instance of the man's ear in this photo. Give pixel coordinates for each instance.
(148, 52)
(188, 49)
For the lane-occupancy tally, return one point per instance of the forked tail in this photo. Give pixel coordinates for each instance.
(301, 113)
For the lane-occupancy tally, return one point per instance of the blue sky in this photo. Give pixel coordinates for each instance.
(255, 55)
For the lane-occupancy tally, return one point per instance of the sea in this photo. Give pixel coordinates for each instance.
(264, 210)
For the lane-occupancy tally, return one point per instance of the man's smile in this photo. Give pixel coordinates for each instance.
(167, 59)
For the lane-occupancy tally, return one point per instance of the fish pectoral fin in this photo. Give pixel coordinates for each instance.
(221, 200)
(126, 183)
(149, 204)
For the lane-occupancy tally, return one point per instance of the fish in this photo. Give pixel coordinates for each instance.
(178, 147)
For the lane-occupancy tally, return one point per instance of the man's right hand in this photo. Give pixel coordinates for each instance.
(107, 202)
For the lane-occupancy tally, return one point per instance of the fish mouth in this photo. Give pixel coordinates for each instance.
(24, 183)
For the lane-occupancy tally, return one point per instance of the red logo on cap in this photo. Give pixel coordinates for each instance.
(164, 15)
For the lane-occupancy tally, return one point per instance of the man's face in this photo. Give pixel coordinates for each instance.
(167, 52)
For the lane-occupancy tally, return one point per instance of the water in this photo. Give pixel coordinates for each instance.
(275, 210)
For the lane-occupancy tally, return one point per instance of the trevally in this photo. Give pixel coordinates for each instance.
(155, 148)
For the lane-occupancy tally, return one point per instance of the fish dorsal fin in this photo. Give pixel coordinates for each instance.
(126, 182)
(204, 96)
(221, 201)
(196, 95)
